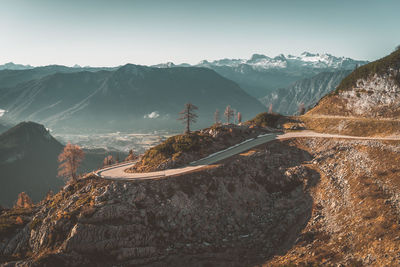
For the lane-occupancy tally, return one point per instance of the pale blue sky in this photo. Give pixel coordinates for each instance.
(109, 33)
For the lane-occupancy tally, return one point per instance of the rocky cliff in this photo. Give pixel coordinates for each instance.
(372, 90)
(307, 91)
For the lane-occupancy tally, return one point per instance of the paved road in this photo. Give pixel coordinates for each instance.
(117, 172)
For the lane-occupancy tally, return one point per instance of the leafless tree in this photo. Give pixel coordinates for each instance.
(69, 159)
(217, 117)
(270, 109)
(228, 113)
(188, 116)
(302, 109)
(239, 117)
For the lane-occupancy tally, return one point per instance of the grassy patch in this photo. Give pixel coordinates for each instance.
(351, 126)
(265, 120)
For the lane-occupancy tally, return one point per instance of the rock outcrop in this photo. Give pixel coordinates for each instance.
(371, 91)
(243, 210)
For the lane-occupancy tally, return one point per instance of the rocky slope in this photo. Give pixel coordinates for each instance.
(307, 91)
(372, 90)
(305, 201)
(355, 216)
(238, 213)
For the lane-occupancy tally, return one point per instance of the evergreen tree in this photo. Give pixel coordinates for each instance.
(188, 116)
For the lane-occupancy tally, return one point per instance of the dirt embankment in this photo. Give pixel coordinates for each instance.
(355, 216)
(352, 125)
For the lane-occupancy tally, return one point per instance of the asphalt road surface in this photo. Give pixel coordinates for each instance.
(118, 172)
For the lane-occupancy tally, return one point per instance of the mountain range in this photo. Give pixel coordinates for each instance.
(307, 91)
(126, 98)
(261, 75)
(148, 98)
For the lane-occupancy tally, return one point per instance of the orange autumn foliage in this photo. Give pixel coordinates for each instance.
(70, 159)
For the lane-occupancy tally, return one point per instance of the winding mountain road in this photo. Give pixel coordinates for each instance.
(117, 172)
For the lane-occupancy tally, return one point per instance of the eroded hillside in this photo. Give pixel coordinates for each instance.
(371, 91)
(308, 200)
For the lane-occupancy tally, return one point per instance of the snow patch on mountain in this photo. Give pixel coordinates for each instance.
(261, 62)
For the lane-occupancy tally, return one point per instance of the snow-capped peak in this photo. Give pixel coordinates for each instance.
(306, 59)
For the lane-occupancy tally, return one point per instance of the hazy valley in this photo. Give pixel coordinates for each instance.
(284, 161)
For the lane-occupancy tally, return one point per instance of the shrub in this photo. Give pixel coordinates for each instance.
(265, 120)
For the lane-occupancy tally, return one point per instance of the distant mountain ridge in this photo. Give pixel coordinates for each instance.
(307, 91)
(12, 66)
(28, 162)
(261, 75)
(130, 97)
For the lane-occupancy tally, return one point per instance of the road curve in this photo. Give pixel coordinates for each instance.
(118, 172)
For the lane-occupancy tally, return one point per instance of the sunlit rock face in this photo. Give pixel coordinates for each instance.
(378, 95)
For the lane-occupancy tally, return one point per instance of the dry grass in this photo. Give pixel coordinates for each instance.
(352, 126)
(356, 223)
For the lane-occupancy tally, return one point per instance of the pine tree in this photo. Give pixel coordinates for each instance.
(188, 116)
(228, 113)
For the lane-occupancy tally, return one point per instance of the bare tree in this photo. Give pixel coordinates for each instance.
(270, 109)
(217, 117)
(117, 158)
(228, 113)
(302, 109)
(239, 117)
(188, 116)
(70, 159)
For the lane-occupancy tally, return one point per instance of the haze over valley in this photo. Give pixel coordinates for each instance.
(199, 133)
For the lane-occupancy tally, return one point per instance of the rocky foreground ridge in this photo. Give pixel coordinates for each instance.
(275, 205)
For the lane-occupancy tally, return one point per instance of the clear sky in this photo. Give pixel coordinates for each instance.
(115, 32)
